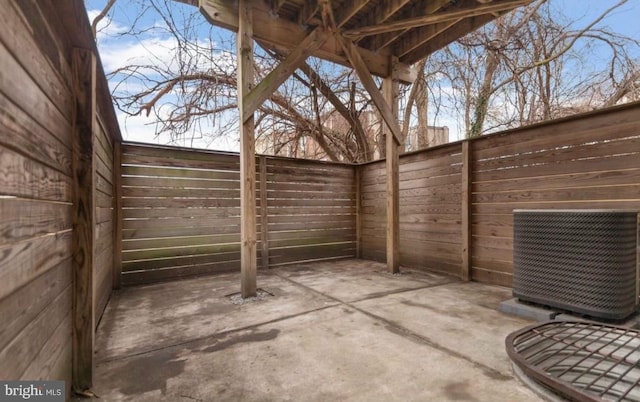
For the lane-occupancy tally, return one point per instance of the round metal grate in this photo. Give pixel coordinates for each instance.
(581, 361)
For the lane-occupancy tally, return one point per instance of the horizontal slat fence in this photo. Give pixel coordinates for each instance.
(181, 212)
(430, 210)
(311, 211)
(582, 162)
(38, 114)
(104, 219)
(590, 161)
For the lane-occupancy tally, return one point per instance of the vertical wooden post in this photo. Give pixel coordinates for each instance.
(84, 127)
(358, 212)
(390, 88)
(117, 214)
(264, 213)
(248, 254)
(465, 184)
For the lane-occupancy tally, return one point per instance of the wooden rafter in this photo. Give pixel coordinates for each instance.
(466, 12)
(308, 11)
(384, 40)
(444, 38)
(286, 34)
(254, 99)
(347, 11)
(422, 35)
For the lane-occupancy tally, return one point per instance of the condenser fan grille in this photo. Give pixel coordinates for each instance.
(581, 261)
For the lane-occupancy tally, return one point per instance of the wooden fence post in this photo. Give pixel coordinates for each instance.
(390, 87)
(264, 212)
(84, 128)
(465, 184)
(358, 179)
(117, 214)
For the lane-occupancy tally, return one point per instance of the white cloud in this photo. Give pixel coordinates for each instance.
(149, 51)
(106, 27)
(141, 128)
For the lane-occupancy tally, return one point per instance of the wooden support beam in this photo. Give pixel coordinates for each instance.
(390, 93)
(83, 165)
(358, 174)
(443, 39)
(264, 213)
(248, 253)
(466, 211)
(283, 34)
(456, 14)
(422, 35)
(348, 10)
(309, 10)
(117, 214)
(384, 40)
(261, 92)
(367, 82)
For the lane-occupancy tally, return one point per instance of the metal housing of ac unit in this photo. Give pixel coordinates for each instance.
(584, 261)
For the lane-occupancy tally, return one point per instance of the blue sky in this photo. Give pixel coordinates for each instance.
(117, 50)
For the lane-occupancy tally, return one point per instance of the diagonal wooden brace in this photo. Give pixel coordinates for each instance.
(261, 92)
(359, 65)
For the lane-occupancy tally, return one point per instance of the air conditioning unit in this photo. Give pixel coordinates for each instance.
(583, 261)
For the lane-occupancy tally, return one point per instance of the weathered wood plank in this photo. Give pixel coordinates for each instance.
(179, 183)
(619, 192)
(129, 202)
(491, 277)
(345, 223)
(22, 132)
(163, 242)
(166, 172)
(21, 219)
(507, 208)
(568, 167)
(20, 88)
(264, 214)
(465, 213)
(20, 308)
(22, 262)
(54, 359)
(131, 234)
(185, 212)
(310, 203)
(23, 177)
(24, 348)
(248, 254)
(172, 273)
(196, 222)
(181, 261)
(159, 253)
(329, 210)
(84, 90)
(562, 181)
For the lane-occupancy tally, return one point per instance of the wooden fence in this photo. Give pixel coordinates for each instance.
(38, 188)
(430, 208)
(457, 200)
(181, 212)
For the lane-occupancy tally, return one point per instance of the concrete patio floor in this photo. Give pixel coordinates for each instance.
(332, 331)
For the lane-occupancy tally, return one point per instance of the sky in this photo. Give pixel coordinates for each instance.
(117, 50)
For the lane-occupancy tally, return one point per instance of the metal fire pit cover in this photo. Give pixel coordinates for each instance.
(581, 361)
